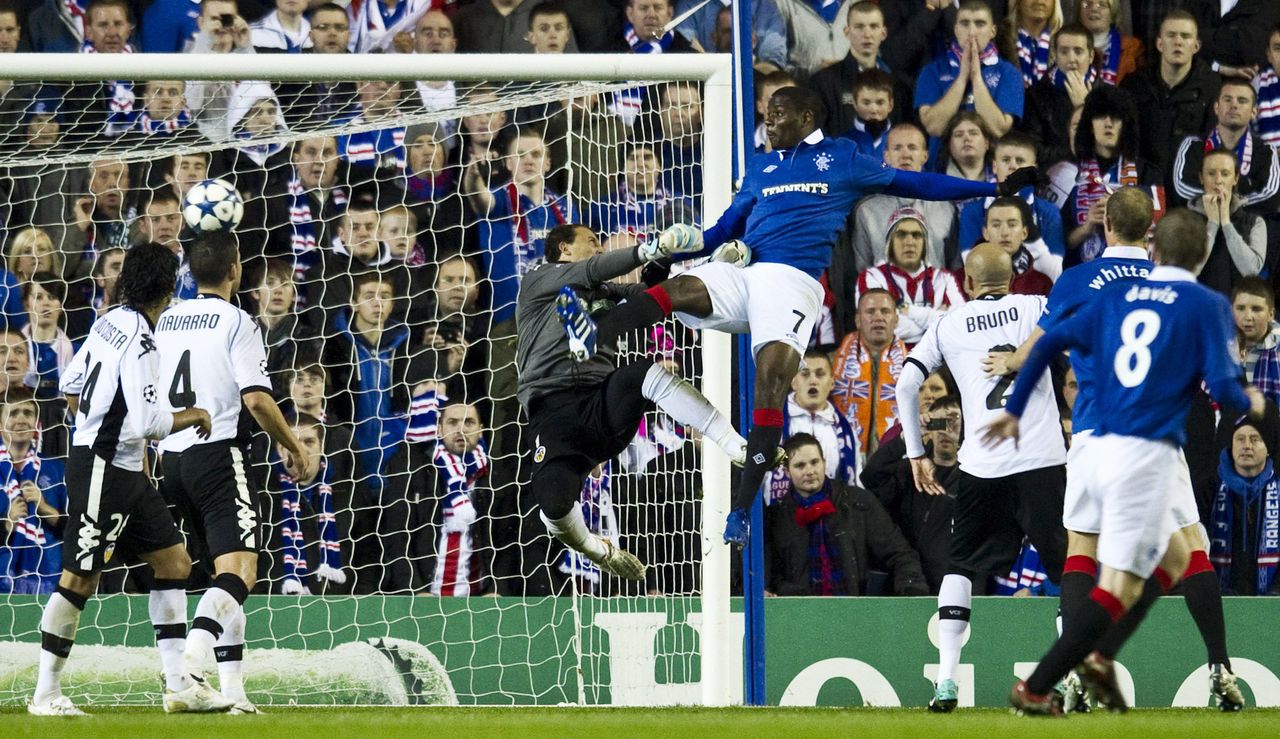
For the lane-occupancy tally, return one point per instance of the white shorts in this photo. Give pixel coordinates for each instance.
(1132, 480)
(1082, 513)
(774, 302)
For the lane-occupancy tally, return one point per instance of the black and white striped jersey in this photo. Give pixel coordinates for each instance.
(114, 374)
(210, 353)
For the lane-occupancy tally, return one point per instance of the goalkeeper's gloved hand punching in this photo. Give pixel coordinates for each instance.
(733, 252)
(678, 239)
(1020, 178)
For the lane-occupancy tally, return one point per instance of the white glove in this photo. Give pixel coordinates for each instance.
(331, 574)
(733, 252)
(293, 587)
(459, 517)
(677, 239)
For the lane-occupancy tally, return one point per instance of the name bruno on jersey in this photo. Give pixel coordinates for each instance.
(188, 323)
(991, 320)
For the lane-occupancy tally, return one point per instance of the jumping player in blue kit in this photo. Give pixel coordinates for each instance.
(1128, 217)
(793, 203)
(1170, 323)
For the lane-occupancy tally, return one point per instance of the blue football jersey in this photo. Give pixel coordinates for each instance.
(794, 202)
(1152, 342)
(1073, 290)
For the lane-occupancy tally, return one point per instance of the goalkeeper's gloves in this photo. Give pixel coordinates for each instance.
(294, 587)
(678, 239)
(333, 575)
(1018, 180)
(733, 252)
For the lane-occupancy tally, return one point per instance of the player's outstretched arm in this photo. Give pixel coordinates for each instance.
(929, 186)
(263, 409)
(908, 395)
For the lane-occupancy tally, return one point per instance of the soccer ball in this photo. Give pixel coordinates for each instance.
(212, 205)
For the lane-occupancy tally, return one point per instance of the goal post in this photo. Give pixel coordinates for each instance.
(518, 80)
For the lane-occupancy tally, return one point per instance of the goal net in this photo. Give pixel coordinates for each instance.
(391, 205)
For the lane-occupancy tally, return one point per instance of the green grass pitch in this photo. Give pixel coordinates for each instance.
(653, 723)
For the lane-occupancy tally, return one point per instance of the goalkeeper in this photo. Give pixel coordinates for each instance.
(792, 205)
(583, 414)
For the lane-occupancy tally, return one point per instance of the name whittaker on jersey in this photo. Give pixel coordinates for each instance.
(813, 188)
(1109, 274)
(188, 323)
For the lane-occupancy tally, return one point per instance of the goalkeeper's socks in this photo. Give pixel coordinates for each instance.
(955, 599)
(639, 311)
(762, 449)
(1082, 632)
(1079, 573)
(167, 606)
(1203, 595)
(1115, 638)
(687, 406)
(572, 530)
(214, 612)
(58, 625)
(229, 653)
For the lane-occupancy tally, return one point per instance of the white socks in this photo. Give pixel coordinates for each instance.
(229, 651)
(686, 405)
(213, 613)
(57, 635)
(955, 598)
(572, 530)
(168, 611)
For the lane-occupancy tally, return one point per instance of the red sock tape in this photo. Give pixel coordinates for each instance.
(1112, 604)
(1199, 563)
(1164, 578)
(767, 417)
(1081, 563)
(659, 295)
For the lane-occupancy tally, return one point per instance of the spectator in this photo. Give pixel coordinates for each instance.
(873, 107)
(810, 411)
(169, 26)
(494, 26)
(92, 106)
(31, 251)
(1236, 110)
(1028, 34)
(322, 102)
(384, 25)
(970, 76)
(1253, 305)
(1106, 159)
(164, 113)
(867, 366)
(398, 232)
(457, 288)
(375, 155)
(183, 171)
(211, 100)
(431, 191)
(865, 31)
(1009, 226)
(643, 33)
(286, 332)
(309, 532)
(300, 219)
(549, 29)
(1234, 34)
(284, 30)
(1244, 525)
(1013, 151)
(434, 34)
(461, 459)
(1172, 95)
(918, 31)
(356, 250)
(679, 132)
(15, 361)
(1269, 92)
(255, 118)
(48, 345)
(1116, 54)
(924, 519)
(1237, 238)
(160, 221)
(706, 27)
(823, 538)
(57, 27)
(101, 219)
(967, 148)
(922, 291)
(484, 142)
(106, 270)
(637, 205)
(516, 218)
(1051, 101)
(36, 504)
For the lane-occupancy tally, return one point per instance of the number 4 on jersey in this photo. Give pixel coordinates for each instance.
(181, 394)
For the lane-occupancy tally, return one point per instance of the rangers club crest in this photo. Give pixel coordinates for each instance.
(823, 161)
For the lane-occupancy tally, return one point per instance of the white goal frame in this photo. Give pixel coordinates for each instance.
(719, 685)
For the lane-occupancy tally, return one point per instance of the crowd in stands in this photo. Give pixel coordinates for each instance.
(383, 259)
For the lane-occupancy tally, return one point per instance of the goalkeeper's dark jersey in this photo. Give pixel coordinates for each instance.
(542, 349)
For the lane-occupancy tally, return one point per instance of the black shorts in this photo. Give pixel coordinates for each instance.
(209, 485)
(111, 513)
(589, 425)
(991, 516)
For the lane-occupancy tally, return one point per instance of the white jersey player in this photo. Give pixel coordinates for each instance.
(211, 353)
(1003, 494)
(112, 509)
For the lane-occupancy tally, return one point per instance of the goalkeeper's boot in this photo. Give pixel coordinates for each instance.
(1026, 703)
(1099, 676)
(620, 562)
(1223, 686)
(945, 697)
(737, 527)
(244, 708)
(577, 323)
(199, 697)
(59, 705)
(1075, 699)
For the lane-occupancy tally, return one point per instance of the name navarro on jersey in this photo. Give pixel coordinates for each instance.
(1110, 274)
(991, 320)
(813, 188)
(110, 334)
(189, 323)
(1164, 295)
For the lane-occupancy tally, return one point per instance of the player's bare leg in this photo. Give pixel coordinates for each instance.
(58, 623)
(776, 364)
(219, 626)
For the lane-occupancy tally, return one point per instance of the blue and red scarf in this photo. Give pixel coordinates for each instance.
(1108, 61)
(643, 46)
(318, 496)
(1059, 77)
(1243, 149)
(1262, 494)
(1033, 55)
(812, 513)
(1269, 106)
